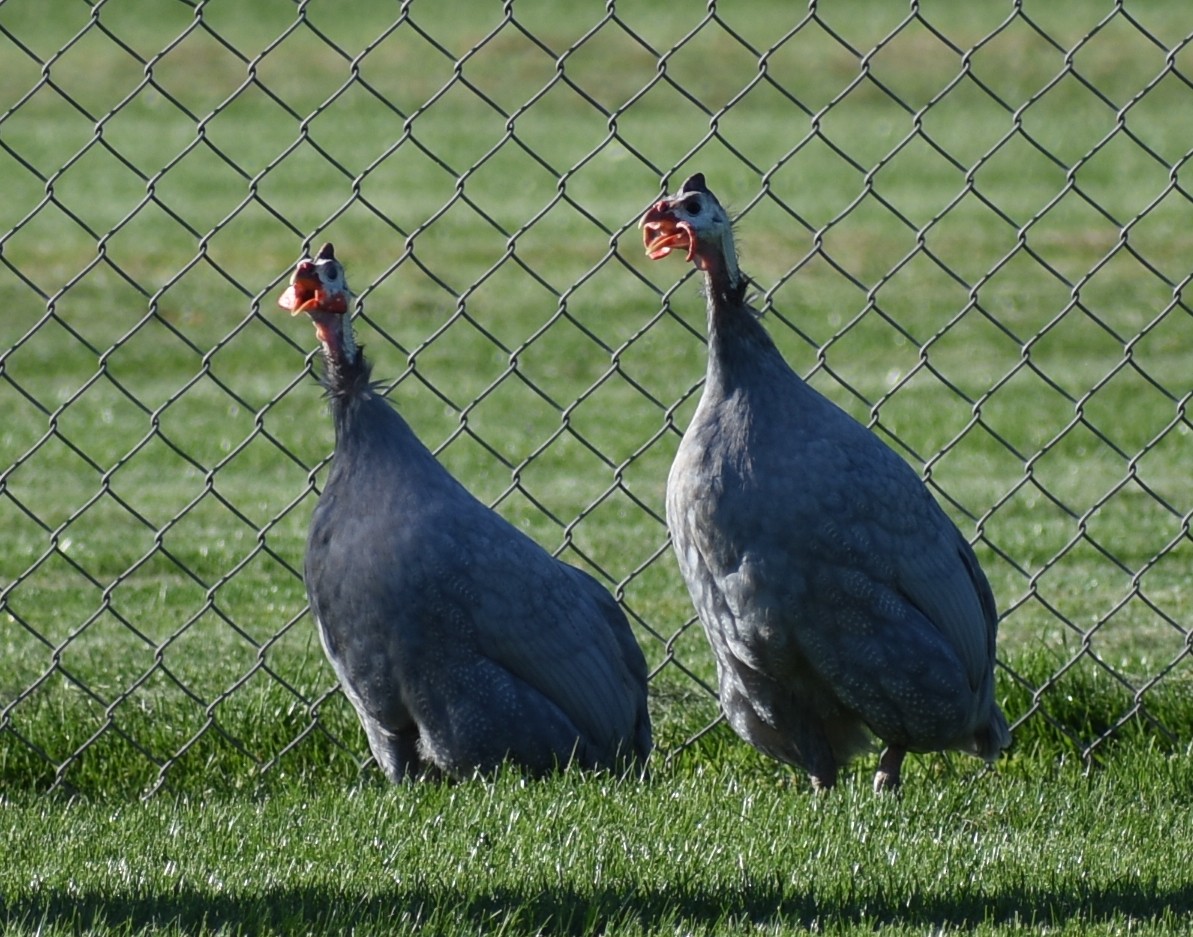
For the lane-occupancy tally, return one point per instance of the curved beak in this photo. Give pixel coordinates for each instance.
(303, 288)
(662, 233)
(306, 294)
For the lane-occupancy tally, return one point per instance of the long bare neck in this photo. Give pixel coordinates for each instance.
(345, 370)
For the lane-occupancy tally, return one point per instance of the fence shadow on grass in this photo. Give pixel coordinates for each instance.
(566, 911)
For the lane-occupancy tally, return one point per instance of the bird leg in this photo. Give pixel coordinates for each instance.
(890, 764)
(396, 751)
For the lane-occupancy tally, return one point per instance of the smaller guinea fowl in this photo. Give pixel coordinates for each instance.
(460, 642)
(840, 601)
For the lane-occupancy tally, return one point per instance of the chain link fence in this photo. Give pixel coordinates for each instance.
(971, 227)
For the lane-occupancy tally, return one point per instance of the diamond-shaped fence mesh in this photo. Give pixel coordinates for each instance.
(969, 224)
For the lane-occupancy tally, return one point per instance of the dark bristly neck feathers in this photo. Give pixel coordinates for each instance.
(724, 283)
(735, 336)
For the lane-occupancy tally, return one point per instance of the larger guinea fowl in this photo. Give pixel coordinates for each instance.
(839, 599)
(461, 643)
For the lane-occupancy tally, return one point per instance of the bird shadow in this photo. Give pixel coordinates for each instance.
(565, 910)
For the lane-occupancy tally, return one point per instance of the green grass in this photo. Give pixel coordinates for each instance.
(702, 849)
(955, 275)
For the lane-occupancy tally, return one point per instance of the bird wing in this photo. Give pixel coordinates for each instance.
(874, 521)
(558, 631)
(829, 549)
(945, 583)
(891, 565)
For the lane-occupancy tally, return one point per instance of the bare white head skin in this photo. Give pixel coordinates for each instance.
(319, 288)
(693, 220)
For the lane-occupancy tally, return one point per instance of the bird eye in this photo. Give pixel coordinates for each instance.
(692, 205)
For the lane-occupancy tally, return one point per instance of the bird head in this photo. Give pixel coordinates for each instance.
(691, 220)
(318, 288)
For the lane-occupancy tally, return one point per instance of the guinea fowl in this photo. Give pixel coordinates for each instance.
(840, 601)
(460, 642)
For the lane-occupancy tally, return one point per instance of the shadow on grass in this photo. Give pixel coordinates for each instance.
(567, 911)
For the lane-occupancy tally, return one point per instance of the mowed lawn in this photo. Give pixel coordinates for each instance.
(969, 227)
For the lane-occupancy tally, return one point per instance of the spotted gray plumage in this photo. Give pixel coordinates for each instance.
(840, 601)
(459, 641)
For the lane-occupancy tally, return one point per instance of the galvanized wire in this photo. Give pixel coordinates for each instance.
(45, 292)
